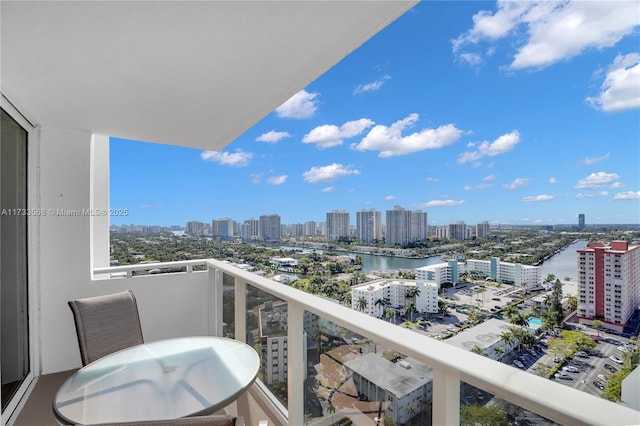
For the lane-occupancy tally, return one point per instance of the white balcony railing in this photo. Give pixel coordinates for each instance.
(451, 365)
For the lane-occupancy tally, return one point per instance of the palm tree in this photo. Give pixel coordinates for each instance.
(478, 350)
(508, 337)
(597, 325)
(331, 409)
(550, 278)
(510, 311)
(410, 308)
(412, 293)
(361, 304)
(572, 301)
(442, 306)
(389, 313)
(500, 352)
(519, 319)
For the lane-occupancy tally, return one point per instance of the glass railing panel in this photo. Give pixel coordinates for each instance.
(267, 319)
(228, 306)
(481, 408)
(351, 380)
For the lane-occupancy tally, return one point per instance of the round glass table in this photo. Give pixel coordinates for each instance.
(166, 379)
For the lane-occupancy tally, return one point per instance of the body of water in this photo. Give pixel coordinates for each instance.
(563, 264)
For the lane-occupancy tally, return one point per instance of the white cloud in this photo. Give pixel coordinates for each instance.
(592, 194)
(277, 180)
(553, 180)
(504, 143)
(301, 105)
(629, 195)
(617, 185)
(390, 142)
(390, 197)
(517, 183)
(471, 59)
(328, 173)
(239, 158)
(477, 187)
(489, 178)
(549, 32)
(328, 189)
(535, 198)
(620, 89)
(371, 87)
(441, 203)
(597, 180)
(589, 161)
(432, 179)
(328, 135)
(272, 136)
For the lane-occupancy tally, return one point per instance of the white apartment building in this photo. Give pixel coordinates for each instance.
(402, 385)
(527, 276)
(250, 229)
(273, 319)
(394, 291)
(440, 273)
(270, 229)
(608, 283)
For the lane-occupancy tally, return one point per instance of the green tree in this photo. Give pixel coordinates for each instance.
(478, 415)
(478, 350)
(597, 325)
(361, 304)
(572, 302)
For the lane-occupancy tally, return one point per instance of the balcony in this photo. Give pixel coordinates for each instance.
(221, 300)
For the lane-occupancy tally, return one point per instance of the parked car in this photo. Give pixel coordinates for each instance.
(582, 354)
(602, 378)
(610, 368)
(623, 348)
(570, 369)
(616, 359)
(561, 375)
(598, 384)
(556, 359)
(518, 363)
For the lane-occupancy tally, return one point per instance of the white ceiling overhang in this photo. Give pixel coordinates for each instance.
(190, 73)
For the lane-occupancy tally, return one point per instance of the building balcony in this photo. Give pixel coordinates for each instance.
(329, 348)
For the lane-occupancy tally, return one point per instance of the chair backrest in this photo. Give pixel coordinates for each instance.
(216, 420)
(106, 324)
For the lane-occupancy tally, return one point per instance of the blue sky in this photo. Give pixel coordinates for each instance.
(513, 113)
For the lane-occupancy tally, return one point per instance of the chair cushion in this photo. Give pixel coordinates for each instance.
(187, 421)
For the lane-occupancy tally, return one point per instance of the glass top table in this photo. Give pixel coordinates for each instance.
(166, 379)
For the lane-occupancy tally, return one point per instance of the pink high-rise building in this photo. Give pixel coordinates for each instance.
(608, 283)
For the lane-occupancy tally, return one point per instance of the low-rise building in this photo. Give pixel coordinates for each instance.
(380, 294)
(401, 387)
(487, 336)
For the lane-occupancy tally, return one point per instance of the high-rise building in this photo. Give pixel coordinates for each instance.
(195, 228)
(458, 231)
(405, 226)
(250, 229)
(223, 228)
(482, 230)
(270, 227)
(608, 283)
(369, 226)
(337, 225)
(310, 228)
(581, 224)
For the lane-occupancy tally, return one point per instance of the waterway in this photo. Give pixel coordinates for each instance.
(563, 264)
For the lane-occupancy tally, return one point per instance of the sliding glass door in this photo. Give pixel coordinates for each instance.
(14, 312)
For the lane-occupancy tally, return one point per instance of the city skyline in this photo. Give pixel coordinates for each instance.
(469, 111)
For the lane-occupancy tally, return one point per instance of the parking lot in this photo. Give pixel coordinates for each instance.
(489, 296)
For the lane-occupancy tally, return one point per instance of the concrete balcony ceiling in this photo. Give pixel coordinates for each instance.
(190, 73)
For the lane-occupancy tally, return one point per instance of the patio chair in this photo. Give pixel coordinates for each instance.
(214, 420)
(106, 324)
